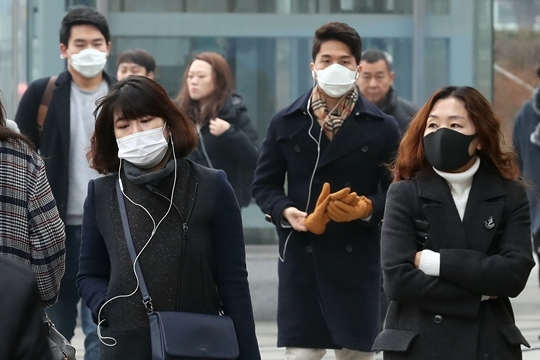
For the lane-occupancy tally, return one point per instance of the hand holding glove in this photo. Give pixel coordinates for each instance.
(349, 208)
(317, 220)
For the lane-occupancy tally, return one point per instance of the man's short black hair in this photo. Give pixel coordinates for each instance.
(138, 56)
(83, 15)
(373, 55)
(340, 32)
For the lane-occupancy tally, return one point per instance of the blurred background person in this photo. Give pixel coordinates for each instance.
(527, 146)
(31, 231)
(184, 220)
(376, 84)
(135, 62)
(455, 242)
(22, 333)
(227, 139)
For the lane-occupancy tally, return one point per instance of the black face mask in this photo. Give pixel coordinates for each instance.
(447, 150)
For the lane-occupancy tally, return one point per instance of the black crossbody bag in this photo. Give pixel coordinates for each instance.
(179, 335)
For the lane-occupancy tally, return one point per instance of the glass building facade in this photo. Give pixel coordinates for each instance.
(266, 42)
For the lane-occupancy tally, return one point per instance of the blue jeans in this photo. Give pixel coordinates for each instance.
(64, 313)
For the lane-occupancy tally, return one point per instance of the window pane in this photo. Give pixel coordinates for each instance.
(266, 6)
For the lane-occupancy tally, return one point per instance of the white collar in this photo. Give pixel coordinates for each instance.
(460, 182)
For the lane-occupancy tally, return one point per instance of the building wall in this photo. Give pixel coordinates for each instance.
(266, 42)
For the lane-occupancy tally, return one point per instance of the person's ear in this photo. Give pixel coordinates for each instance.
(150, 74)
(392, 74)
(313, 71)
(64, 54)
(108, 48)
(358, 71)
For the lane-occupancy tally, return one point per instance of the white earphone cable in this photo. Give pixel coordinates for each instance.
(155, 227)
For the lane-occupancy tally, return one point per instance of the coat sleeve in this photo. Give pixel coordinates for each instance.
(402, 281)
(268, 185)
(47, 237)
(242, 140)
(504, 273)
(94, 266)
(27, 111)
(231, 272)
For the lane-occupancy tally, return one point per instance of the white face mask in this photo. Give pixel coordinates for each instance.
(336, 80)
(89, 62)
(144, 149)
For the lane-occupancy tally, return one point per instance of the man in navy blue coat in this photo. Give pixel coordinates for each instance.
(328, 282)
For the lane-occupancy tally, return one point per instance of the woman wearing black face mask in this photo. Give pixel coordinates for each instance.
(455, 237)
(184, 221)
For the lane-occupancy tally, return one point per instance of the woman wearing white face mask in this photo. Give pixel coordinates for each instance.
(177, 213)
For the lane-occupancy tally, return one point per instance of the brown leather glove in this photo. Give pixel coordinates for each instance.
(317, 220)
(339, 211)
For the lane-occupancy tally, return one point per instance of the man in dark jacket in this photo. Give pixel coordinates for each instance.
(329, 273)
(63, 142)
(376, 84)
(527, 146)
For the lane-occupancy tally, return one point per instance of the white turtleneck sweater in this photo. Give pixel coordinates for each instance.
(460, 187)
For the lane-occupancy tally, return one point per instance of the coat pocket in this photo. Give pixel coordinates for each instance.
(394, 340)
(513, 335)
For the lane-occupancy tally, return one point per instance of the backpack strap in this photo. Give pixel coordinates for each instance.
(45, 101)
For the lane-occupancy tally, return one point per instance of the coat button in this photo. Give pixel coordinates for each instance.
(309, 249)
(364, 148)
(437, 319)
(297, 148)
(486, 356)
(349, 248)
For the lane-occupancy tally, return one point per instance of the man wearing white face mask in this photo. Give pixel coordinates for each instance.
(330, 146)
(56, 113)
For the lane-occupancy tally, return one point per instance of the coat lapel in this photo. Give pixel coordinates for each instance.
(446, 230)
(350, 137)
(480, 221)
(484, 209)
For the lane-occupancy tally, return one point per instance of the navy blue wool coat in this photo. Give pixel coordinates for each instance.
(329, 283)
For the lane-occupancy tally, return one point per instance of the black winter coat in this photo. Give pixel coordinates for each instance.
(489, 253)
(401, 109)
(235, 151)
(22, 331)
(328, 284)
(53, 145)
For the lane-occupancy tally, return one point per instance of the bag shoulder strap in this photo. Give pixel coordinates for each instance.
(147, 300)
(44, 104)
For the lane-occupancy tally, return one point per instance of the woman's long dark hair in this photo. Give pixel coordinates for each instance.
(223, 88)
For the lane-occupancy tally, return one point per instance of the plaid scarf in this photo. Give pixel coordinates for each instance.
(332, 122)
